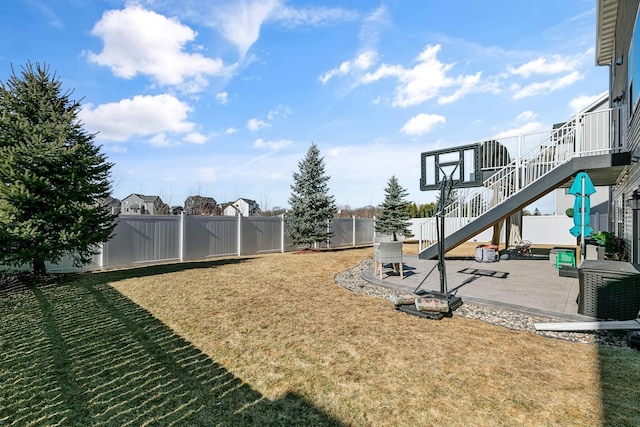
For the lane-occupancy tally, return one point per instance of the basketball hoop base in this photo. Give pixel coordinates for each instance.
(453, 301)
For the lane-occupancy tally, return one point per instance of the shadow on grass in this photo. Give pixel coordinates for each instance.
(619, 380)
(80, 353)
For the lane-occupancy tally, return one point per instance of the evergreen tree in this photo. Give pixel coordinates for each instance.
(311, 205)
(52, 176)
(394, 217)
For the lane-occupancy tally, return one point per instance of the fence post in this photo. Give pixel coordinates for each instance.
(354, 229)
(239, 234)
(281, 233)
(102, 245)
(182, 237)
(374, 229)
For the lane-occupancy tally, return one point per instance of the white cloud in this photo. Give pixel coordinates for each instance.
(231, 131)
(240, 22)
(526, 115)
(222, 97)
(421, 124)
(368, 55)
(196, 138)
(555, 65)
(311, 16)
(526, 128)
(424, 81)
(467, 84)
(362, 62)
(140, 115)
(161, 140)
(372, 25)
(545, 87)
(139, 41)
(272, 145)
(580, 103)
(337, 152)
(280, 111)
(256, 124)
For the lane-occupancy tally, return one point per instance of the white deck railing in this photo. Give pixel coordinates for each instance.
(532, 156)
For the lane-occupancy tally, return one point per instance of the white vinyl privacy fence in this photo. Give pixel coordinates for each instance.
(139, 240)
(543, 229)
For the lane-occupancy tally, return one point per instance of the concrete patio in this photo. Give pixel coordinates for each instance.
(530, 285)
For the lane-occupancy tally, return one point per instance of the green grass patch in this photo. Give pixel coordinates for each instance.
(80, 353)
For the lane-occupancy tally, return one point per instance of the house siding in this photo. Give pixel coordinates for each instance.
(628, 123)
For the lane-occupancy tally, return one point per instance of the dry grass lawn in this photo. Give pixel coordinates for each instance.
(281, 324)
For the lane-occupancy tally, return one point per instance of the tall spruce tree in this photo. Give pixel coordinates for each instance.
(311, 205)
(52, 176)
(393, 217)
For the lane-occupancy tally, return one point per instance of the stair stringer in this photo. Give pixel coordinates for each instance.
(539, 188)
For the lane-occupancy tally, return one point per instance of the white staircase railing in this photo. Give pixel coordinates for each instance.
(533, 156)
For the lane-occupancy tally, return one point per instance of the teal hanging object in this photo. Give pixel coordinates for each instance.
(582, 188)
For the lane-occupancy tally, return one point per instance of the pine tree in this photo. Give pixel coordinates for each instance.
(311, 205)
(394, 217)
(52, 176)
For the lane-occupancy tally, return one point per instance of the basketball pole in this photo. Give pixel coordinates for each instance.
(445, 187)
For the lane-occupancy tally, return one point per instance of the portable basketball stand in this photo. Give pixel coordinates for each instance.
(452, 301)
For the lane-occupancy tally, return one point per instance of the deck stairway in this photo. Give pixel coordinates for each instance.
(536, 165)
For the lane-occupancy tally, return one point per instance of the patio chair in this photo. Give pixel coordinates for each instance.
(565, 258)
(387, 253)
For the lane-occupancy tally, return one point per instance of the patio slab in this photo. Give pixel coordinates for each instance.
(527, 285)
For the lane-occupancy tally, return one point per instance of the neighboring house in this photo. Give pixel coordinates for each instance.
(139, 204)
(242, 207)
(600, 199)
(199, 205)
(112, 204)
(618, 48)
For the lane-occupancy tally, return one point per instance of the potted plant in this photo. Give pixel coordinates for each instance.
(613, 246)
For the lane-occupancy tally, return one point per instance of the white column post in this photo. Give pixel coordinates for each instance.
(374, 229)
(101, 265)
(354, 229)
(282, 233)
(239, 234)
(579, 144)
(182, 237)
(518, 164)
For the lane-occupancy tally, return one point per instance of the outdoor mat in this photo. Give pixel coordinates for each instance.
(488, 273)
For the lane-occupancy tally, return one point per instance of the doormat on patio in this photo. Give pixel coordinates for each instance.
(488, 273)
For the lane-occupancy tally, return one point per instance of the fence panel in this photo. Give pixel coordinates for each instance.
(209, 236)
(364, 230)
(261, 234)
(342, 229)
(149, 239)
(140, 239)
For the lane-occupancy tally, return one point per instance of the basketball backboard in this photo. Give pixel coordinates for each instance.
(461, 163)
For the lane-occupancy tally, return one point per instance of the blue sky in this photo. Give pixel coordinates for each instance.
(223, 98)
